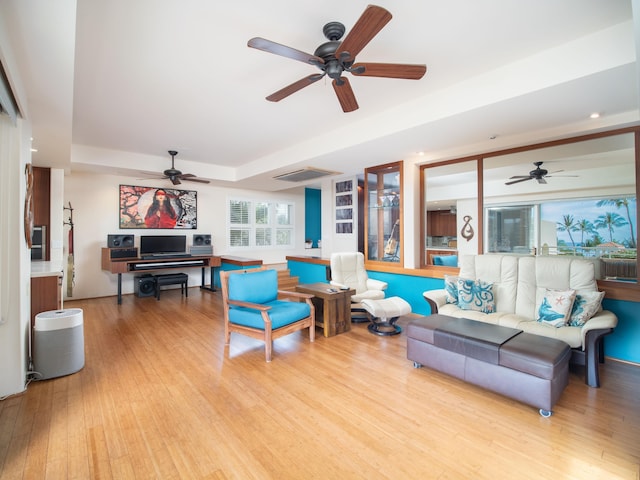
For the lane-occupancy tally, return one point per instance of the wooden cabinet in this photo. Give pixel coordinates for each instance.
(46, 294)
(383, 213)
(441, 224)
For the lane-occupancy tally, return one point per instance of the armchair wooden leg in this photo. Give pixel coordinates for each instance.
(268, 337)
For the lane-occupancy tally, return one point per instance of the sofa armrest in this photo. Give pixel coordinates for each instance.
(602, 320)
(435, 299)
(373, 284)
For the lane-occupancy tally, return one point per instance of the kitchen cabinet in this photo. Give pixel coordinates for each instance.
(441, 224)
(46, 288)
(383, 218)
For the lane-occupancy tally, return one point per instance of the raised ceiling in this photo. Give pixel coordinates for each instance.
(110, 86)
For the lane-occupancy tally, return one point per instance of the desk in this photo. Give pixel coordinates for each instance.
(135, 265)
(333, 309)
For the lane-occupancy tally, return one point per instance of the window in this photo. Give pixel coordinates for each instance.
(260, 224)
(511, 229)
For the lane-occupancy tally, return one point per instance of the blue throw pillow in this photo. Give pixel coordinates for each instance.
(556, 307)
(585, 306)
(476, 295)
(451, 288)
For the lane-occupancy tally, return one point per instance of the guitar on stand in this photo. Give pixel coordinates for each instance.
(70, 261)
(391, 249)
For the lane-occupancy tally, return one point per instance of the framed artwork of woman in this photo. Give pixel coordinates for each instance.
(157, 208)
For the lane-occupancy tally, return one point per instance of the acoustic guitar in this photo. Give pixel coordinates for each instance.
(392, 243)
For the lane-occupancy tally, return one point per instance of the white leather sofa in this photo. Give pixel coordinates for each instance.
(519, 286)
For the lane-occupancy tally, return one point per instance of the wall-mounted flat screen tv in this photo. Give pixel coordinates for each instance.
(154, 244)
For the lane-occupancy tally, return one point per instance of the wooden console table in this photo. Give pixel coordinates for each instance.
(135, 265)
(333, 309)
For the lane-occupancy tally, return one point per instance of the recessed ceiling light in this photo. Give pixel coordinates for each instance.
(594, 115)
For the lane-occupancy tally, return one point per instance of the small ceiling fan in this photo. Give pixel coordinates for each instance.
(176, 175)
(336, 57)
(538, 174)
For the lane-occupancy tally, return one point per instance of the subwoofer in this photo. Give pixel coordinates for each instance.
(118, 241)
(145, 286)
(202, 239)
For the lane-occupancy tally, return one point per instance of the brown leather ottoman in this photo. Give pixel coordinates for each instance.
(522, 366)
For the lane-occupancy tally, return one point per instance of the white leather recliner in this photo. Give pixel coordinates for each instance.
(347, 271)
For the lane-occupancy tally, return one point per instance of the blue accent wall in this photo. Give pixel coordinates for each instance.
(623, 344)
(312, 215)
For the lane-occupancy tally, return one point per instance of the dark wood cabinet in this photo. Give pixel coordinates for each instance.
(441, 224)
(46, 294)
(42, 208)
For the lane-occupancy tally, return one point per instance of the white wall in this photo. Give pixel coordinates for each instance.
(95, 199)
(15, 270)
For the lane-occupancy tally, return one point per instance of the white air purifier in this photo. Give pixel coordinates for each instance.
(58, 343)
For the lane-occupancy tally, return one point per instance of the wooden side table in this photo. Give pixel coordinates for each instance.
(333, 309)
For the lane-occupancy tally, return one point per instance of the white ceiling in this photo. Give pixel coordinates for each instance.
(112, 85)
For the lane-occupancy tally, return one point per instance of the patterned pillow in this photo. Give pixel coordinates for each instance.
(451, 288)
(476, 295)
(556, 307)
(585, 306)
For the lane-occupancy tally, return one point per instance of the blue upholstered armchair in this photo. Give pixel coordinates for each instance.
(254, 306)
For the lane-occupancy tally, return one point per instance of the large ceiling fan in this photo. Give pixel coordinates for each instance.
(336, 57)
(176, 175)
(538, 174)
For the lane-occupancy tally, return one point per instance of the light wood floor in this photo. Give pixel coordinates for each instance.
(161, 397)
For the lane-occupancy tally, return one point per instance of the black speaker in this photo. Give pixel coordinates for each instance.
(117, 241)
(202, 239)
(145, 286)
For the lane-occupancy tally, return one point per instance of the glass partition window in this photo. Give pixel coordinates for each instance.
(571, 197)
(451, 223)
(575, 199)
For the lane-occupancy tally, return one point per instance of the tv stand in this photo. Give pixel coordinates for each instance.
(135, 265)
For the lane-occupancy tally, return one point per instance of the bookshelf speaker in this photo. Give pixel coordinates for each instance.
(117, 241)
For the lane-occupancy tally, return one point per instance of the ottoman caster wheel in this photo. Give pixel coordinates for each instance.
(417, 365)
(545, 413)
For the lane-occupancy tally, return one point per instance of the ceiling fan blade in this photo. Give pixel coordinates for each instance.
(175, 180)
(195, 179)
(284, 51)
(541, 180)
(372, 20)
(294, 87)
(523, 179)
(345, 94)
(389, 70)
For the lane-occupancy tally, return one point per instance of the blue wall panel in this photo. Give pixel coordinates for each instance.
(622, 344)
(312, 215)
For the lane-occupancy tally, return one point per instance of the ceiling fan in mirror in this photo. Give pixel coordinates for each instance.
(539, 174)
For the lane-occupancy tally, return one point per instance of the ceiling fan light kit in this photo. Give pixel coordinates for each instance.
(336, 57)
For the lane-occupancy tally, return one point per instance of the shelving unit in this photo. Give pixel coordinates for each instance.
(383, 220)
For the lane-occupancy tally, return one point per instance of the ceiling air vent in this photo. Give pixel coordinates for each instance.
(304, 174)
